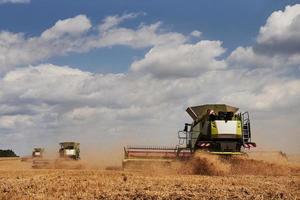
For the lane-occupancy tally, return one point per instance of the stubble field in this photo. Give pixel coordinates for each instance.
(19, 181)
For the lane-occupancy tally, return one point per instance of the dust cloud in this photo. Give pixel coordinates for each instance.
(207, 164)
(216, 165)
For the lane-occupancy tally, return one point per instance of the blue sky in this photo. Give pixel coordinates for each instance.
(111, 73)
(234, 22)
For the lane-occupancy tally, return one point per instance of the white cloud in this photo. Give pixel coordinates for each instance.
(112, 21)
(247, 57)
(15, 121)
(281, 33)
(144, 36)
(14, 1)
(68, 100)
(182, 60)
(272, 95)
(16, 49)
(72, 26)
(277, 43)
(196, 33)
(76, 35)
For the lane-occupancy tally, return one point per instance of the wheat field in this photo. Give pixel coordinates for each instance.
(19, 181)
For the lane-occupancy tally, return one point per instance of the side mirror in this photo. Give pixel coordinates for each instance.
(185, 128)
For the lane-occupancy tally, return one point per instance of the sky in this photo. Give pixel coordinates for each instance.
(112, 73)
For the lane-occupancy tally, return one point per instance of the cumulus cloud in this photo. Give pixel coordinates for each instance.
(14, 1)
(15, 121)
(74, 103)
(280, 34)
(72, 26)
(277, 45)
(112, 21)
(76, 35)
(272, 95)
(247, 57)
(16, 49)
(196, 33)
(181, 60)
(143, 36)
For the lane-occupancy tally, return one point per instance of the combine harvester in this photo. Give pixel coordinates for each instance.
(38, 160)
(69, 156)
(216, 129)
(37, 153)
(68, 152)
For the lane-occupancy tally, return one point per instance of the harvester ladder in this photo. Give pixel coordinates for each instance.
(185, 139)
(246, 127)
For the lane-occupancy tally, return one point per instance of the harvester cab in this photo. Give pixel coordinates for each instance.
(38, 152)
(217, 129)
(69, 150)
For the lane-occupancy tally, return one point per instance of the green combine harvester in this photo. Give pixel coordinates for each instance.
(216, 129)
(69, 150)
(38, 152)
(38, 158)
